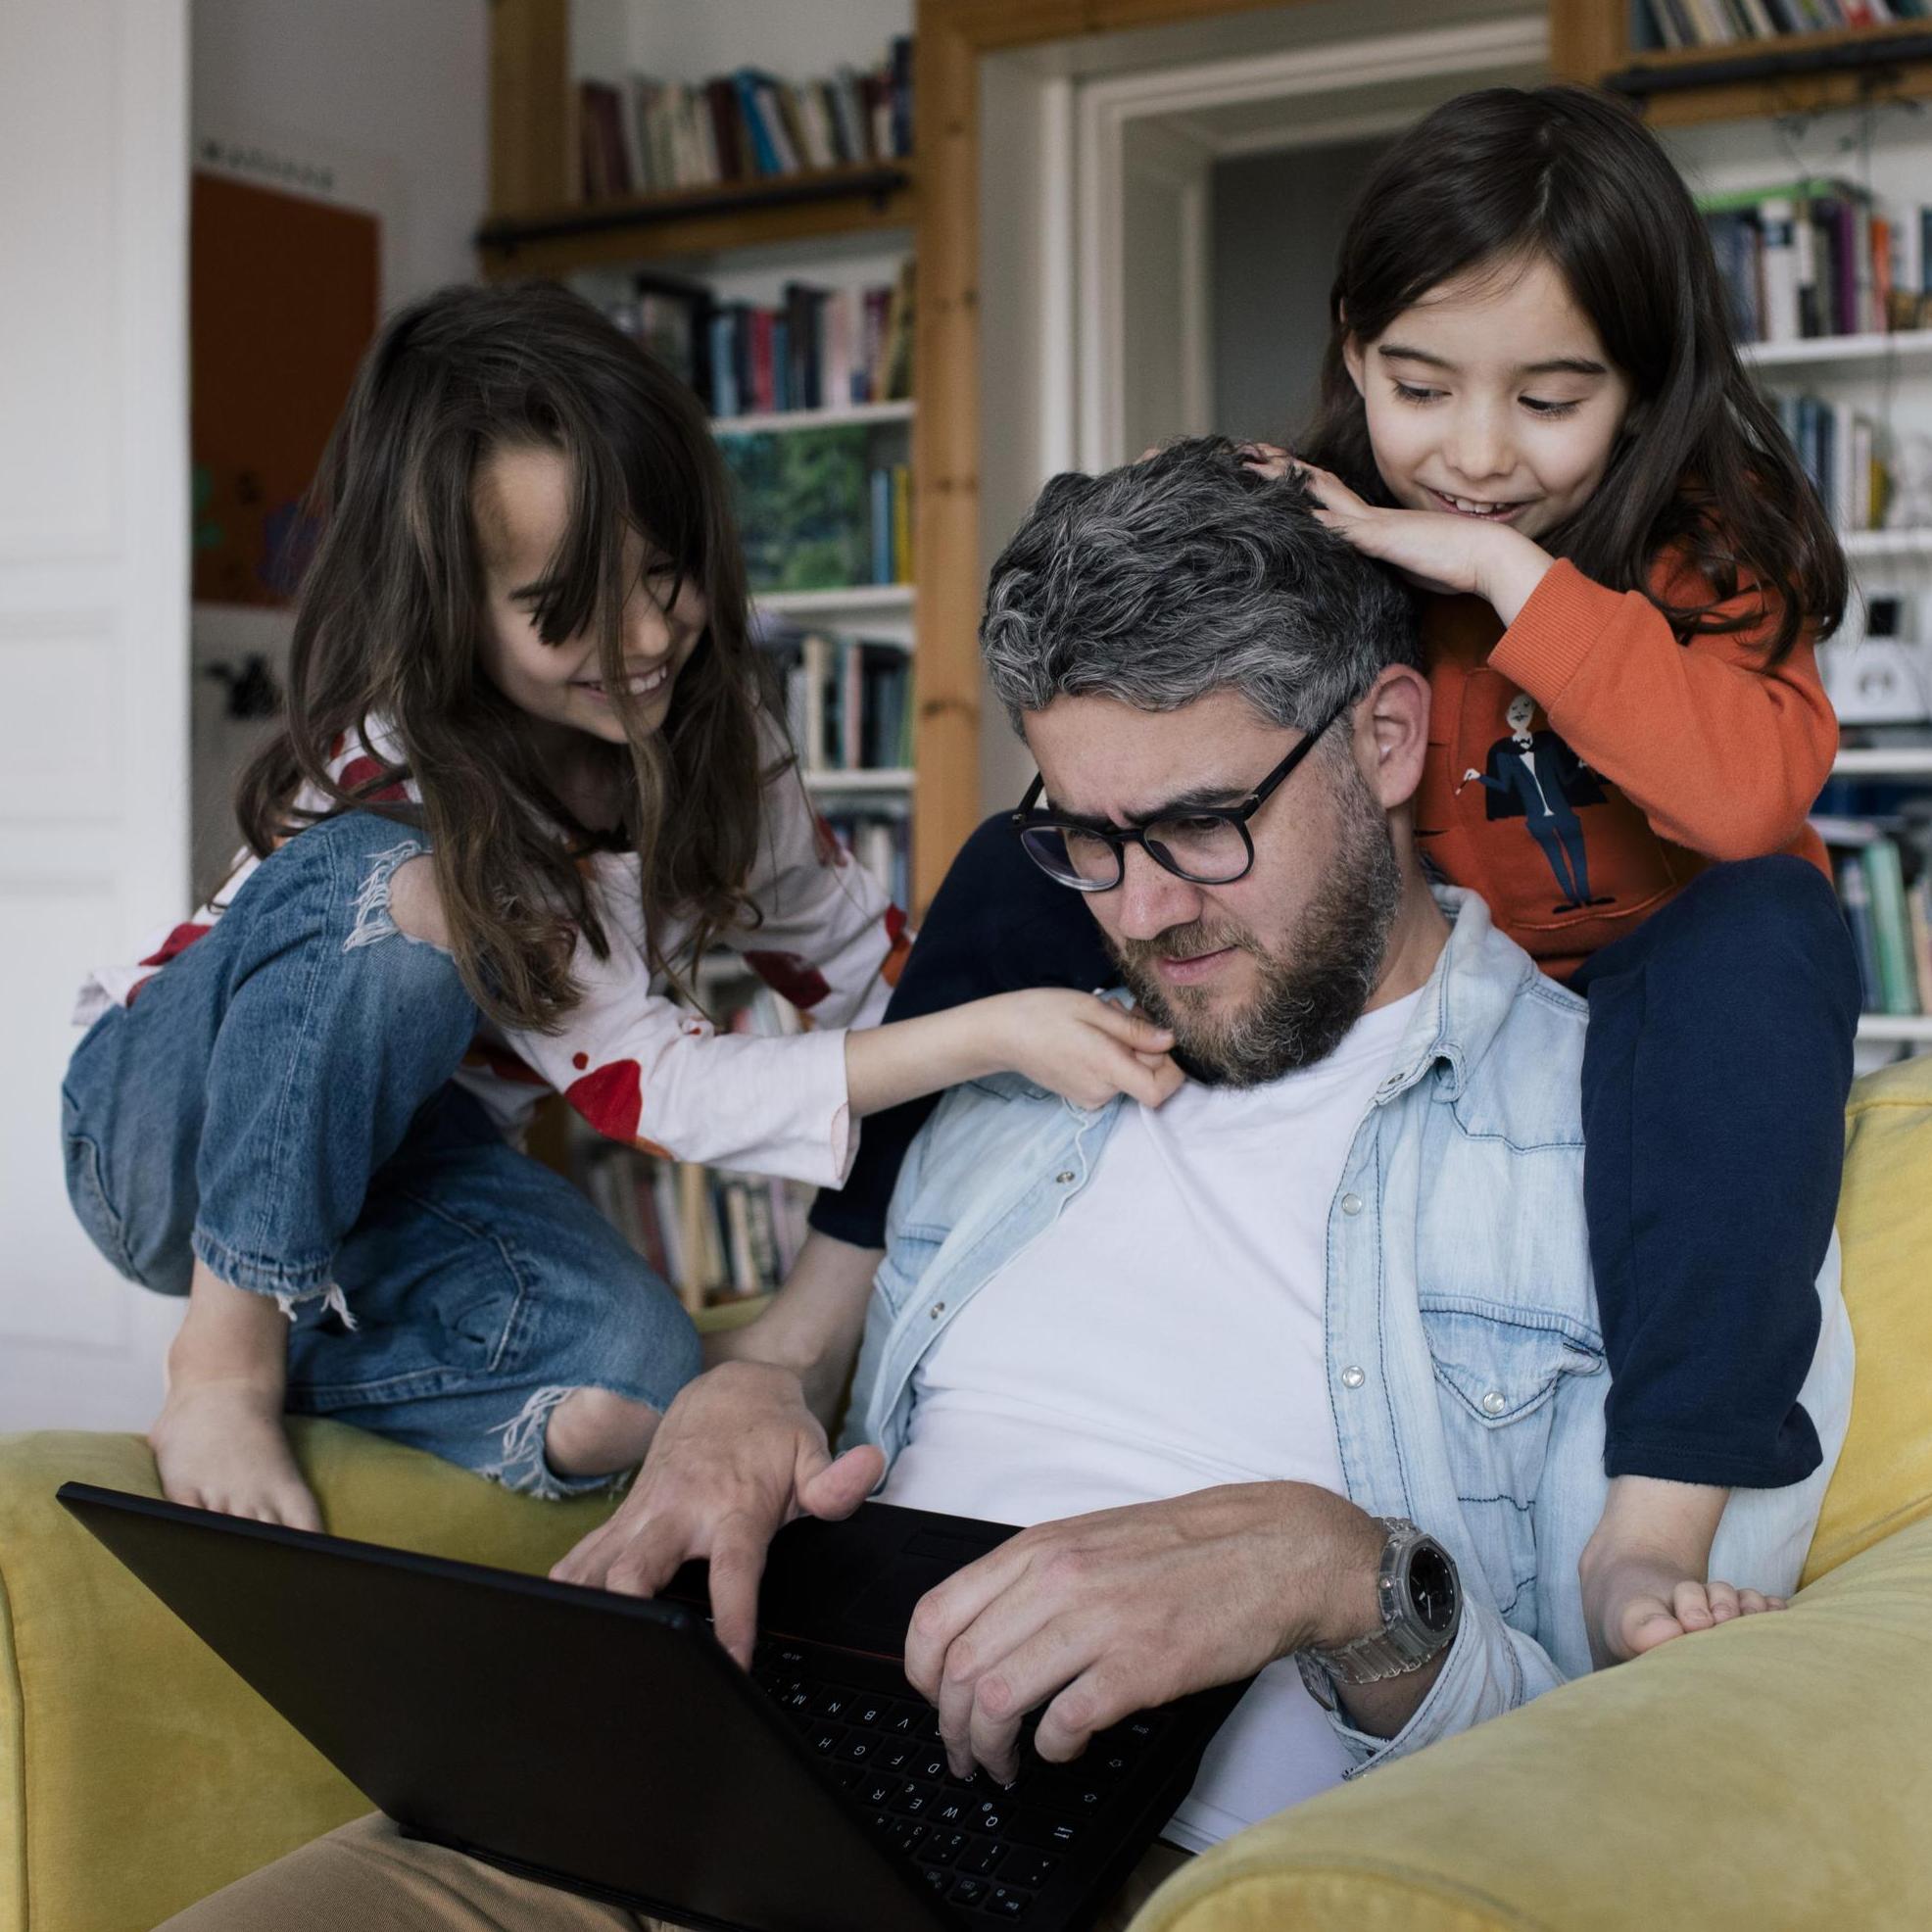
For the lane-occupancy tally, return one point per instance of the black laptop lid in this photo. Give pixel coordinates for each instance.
(604, 1739)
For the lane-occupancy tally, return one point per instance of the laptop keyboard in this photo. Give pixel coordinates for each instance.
(983, 1847)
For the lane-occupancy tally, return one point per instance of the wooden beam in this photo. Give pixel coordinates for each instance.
(530, 105)
(951, 38)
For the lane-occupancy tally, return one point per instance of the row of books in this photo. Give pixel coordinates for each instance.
(1843, 450)
(817, 511)
(1721, 22)
(649, 136)
(819, 349)
(1891, 922)
(1820, 257)
(878, 835)
(848, 703)
(715, 1235)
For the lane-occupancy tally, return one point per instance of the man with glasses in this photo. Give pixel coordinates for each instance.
(1296, 1375)
(1300, 1373)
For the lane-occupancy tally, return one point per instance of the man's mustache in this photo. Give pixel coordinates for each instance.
(1188, 942)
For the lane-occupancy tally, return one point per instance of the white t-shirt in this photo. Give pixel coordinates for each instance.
(1163, 1335)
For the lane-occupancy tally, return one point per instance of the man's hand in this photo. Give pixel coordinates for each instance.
(1109, 1614)
(737, 1457)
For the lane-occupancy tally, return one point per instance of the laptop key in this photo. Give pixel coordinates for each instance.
(936, 1877)
(857, 1748)
(1049, 1834)
(967, 1891)
(875, 1792)
(1058, 1792)
(983, 1860)
(990, 1818)
(929, 1764)
(914, 1801)
(908, 1836)
(895, 1757)
(1003, 1902)
(823, 1738)
(831, 1702)
(1028, 1870)
(869, 1712)
(943, 1847)
(954, 1808)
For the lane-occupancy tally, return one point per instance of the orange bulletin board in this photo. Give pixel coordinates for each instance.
(284, 296)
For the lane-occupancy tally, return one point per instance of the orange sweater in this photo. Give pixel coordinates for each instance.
(1583, 765)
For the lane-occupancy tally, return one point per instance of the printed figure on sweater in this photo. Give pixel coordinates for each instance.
(1535, 776)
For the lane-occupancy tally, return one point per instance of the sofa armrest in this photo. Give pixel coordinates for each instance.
(137, 1772)
(1770, 1772)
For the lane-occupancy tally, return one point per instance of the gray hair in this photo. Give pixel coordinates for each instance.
(1182, 574)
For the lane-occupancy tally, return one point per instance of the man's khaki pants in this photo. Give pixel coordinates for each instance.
(369, 1877)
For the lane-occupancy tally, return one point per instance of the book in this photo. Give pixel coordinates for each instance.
(1855, 894)
(1898, 982)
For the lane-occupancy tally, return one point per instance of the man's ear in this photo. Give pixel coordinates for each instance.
(1391, 735)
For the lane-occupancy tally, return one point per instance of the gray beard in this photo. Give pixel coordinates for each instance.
(1310, 995)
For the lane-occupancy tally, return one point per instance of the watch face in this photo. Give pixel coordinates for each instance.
(1431, 1588)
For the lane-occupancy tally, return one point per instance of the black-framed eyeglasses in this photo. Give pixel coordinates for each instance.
(1206, 845)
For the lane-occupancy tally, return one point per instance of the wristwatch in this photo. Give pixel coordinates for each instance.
(1422, 1603)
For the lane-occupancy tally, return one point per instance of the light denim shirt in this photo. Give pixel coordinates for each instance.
(1465, 1362)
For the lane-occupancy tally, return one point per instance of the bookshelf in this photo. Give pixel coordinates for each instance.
(1876, 385)
(1618, 45)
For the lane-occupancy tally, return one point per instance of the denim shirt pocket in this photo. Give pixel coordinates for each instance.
(1498, 1367)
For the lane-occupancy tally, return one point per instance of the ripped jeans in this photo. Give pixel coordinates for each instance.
(278, 1102)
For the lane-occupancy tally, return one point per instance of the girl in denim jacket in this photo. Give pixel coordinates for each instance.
(525, 779)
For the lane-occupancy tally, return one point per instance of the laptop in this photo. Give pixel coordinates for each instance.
(610, 1745)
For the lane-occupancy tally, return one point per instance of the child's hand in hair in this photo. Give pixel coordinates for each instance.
(1435, 551)
(1083, 1047)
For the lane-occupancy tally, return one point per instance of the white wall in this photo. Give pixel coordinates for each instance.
(379, 105)
(694, 39)
(391, 96)
(93, 635)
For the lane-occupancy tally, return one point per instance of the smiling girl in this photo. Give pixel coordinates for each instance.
(524, 780)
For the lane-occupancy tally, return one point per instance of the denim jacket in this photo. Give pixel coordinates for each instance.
(1465, 1362)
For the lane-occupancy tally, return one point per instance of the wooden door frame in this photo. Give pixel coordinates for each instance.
(952, 37)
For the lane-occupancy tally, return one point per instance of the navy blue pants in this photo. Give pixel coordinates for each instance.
(1714, 1074)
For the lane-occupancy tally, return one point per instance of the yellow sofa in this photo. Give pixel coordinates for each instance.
(1771, 1775)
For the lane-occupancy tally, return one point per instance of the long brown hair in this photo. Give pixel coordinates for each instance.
(391, 610)
(1505, 174)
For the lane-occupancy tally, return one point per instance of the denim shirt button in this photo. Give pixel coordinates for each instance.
(937, 1310)
(1352, 1377)
(1351, 1205)
(1065, 1177)
(1495, 1402)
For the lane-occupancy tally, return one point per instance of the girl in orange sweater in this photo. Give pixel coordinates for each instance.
(1534, 409)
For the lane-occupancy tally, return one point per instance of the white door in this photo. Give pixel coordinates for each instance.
(93, 633)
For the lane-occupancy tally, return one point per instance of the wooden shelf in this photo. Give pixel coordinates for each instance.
(1899, 546)
(852, 782)
(804, 206)
(874, 598)
(1907, 352)
(1883, 761)
(788, 419)
(1912, 1026)
(1744, 78)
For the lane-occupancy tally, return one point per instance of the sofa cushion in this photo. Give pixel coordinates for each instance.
(1768, 1774)
(1884, 1477)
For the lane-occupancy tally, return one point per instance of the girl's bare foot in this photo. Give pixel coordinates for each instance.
(219, 1443)
(1644, 1570)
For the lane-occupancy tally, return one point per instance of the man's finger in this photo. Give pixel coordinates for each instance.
(738, 1563)
(839, 1487)
(1146, 1085)
(650, 1558)
(582, 1562)
(947, 1608)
